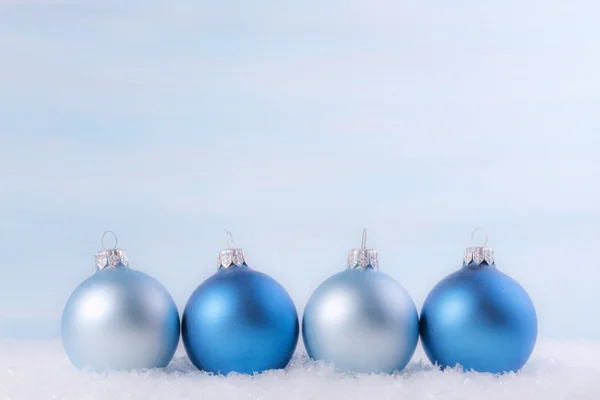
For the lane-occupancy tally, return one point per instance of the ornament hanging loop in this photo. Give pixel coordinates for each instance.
(364, 239)
(473, 237)
(116, 240)
(230, 242)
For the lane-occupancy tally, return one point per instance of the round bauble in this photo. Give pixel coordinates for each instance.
(239, 320)
(479, 318)
(119, 319)
(361, 319)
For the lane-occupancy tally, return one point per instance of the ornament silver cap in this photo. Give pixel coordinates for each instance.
(363, 257)
(110, 258)
(478, 254)
(230, 256)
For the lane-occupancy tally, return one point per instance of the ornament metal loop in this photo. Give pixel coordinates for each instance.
(363, 257)
(116, 240)
(230, 242)
(110, 257)
(473, 236)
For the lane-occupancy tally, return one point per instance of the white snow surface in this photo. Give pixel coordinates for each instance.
(558, 369)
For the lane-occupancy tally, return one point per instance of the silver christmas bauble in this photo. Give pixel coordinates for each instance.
(361, 319)
(120, 318)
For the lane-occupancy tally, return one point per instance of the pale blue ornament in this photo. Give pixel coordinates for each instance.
(479, 318)
(120, 318)
(239, 320)
(361, 319)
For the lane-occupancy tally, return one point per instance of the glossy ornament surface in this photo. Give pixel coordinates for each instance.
(479, 318)
(119, 318)
(239, 320)
(361, 319)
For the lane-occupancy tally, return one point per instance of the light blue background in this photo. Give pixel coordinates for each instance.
(295, 125)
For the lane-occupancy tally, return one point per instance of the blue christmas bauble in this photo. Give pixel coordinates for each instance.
(361, 319)
(239, 320)
(479, 318)
(120, 319)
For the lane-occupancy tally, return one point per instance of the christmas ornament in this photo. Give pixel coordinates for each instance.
(239, 320)
(119, 318)
(479, 318)
(361, 319)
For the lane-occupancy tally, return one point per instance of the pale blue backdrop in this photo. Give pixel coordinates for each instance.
(295, 125)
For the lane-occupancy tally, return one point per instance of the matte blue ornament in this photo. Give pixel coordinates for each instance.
(479, 318)
(239, 320)
(119, 318)
(361, 319)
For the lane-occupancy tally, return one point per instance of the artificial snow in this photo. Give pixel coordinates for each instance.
(557, 370)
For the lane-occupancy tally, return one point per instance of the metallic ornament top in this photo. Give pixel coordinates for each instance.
(110, 257)
(478, 254)
(228, 257)
(363, 257)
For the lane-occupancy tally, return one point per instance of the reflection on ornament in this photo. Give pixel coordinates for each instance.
(239, 320)
(479, 318)
(119, 318)
(361, 319)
